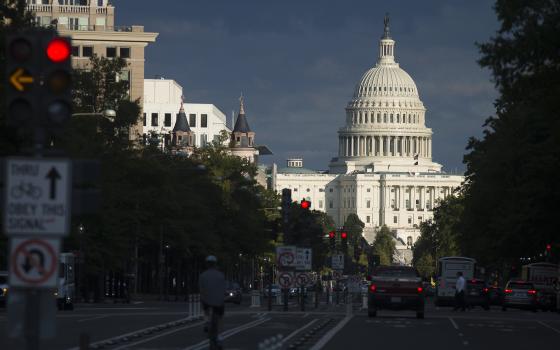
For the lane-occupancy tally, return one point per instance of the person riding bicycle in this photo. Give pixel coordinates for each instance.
(212, 285)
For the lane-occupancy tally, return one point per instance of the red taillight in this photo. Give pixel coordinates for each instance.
(420, 289)
(507, 291)
(485, 290)
(532, 292)
(372, 288)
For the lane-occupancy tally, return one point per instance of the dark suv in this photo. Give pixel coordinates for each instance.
(477, 293)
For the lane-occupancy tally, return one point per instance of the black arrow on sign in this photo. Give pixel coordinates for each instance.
(29, 263)
(53, 175)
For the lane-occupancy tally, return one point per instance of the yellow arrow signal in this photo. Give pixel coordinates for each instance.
(18, 79)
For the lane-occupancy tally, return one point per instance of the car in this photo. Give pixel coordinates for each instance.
(233, 293)
(477, 293)
(396, 288)
(274, 290)
(3, 287)
(495, 295)
(520, 295)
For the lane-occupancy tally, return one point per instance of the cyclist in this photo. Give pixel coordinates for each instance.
(212, 284)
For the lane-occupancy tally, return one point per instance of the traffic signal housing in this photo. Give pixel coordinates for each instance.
(38, 80)
(332, 240)
(344, 240)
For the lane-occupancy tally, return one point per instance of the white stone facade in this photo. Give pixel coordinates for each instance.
(162, 100)
(384, 171)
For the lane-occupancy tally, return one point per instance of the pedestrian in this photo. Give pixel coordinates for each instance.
(460, 292)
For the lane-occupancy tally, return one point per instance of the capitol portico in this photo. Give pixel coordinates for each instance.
(384, 171)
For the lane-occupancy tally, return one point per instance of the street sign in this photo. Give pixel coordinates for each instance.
(354, 282)
(337, 275)
(303, 259)
(34, 262)
(303, 279)
(37, 200)
(338, 262)
(285, 279)
(286, 256)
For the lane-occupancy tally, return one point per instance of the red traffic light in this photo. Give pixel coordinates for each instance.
(548, 247)
(331, 234)
(58, 50)
(343, 235)
(305, 204)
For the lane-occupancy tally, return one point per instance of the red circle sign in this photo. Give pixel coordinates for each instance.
(46, 273)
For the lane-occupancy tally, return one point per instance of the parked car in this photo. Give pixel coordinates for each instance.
(233, 293)
(3, 287)
(275, 290)
(396, 288)
(520, 295)
(477, 294)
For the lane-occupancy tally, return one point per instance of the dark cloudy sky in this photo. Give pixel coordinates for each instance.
(297, 61)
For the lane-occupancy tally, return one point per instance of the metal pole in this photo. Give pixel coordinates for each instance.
(161, 278)
(31, 332)
(302, 298)
(270, 290)
(285, 291)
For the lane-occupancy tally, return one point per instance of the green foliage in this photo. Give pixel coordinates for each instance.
(384, 246)
(512, 188)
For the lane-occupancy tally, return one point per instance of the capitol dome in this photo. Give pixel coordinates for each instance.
(385, 120)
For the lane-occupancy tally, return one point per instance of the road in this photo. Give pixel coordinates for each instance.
(163, 325)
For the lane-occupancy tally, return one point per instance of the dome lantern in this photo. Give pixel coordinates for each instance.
(386, 44)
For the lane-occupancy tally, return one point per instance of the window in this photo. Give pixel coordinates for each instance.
(295, 189)
(192, 120)
(144, 119)
(75, 51)
(320, 204)
(420, 218)
(73, 23)
(111, 52)
(409, 220)
(330, 204)
(391, 117)
(167, 119)
(369, 189)
(87, 51)
(321, 190)
(368, 219)
(330, 190)
(154, 119)
(308, 190)
(378, 117)
(368, 204)
(385, 118)
(395, 219)
(124, 52)
(203, 140)
(203, 120)
(409, 240)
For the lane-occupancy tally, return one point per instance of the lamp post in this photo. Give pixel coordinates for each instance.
(82, 289)
(109, 114)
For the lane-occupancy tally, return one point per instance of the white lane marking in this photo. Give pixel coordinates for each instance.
(128, 334)
(93, 318)
(117, 308)
(158, 336)
(549, 327)
(330, 334)
(453, 323)
(230, 332)
(293, 334)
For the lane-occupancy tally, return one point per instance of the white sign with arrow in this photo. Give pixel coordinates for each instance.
(303, 259)
(34, 262)
(38, 193)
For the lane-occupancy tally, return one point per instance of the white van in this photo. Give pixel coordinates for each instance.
(447, 277)
(66, 284)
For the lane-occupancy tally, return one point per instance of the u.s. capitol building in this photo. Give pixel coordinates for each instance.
(384, 171)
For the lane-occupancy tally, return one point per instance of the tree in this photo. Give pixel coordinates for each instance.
(511, 192)
(384, 246)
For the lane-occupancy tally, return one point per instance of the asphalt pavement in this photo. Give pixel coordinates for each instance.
(166, 325)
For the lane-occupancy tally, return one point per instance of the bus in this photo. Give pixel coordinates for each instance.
(447, 277)
(66, 284)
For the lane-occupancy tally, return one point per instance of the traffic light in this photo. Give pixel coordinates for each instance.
(305, 204)
(57, 97)
(548, 247)
(38, 72)
(23, 85)
(332, 240)
(286, 203)
(344, 240)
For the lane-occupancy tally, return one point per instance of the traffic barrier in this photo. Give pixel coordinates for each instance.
(279, 299)
(272, 343)
(255, 298)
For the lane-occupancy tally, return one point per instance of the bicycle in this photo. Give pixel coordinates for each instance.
(213, 330)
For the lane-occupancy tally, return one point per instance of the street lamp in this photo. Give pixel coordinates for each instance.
(108, 114)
